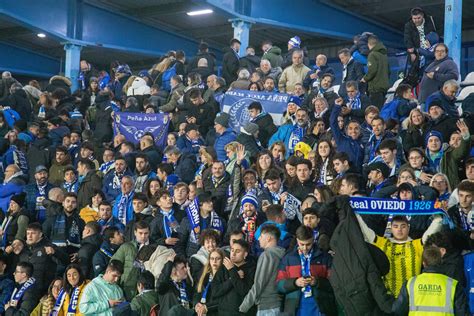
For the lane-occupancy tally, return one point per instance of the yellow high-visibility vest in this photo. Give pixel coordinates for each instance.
(431, 294)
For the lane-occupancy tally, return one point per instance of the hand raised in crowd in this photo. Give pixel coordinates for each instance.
(74, 257)
(463, 128)
(240, 153)
(339, 101)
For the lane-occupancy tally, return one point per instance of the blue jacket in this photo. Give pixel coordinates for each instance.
(469, 272)
(6, 290)
(283, 134)
(448, 105)
(107, 185)
(346, 144)
(222, 140)
(7, 190)
(186, 146)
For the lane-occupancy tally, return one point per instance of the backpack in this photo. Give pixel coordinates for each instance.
(166, 78)
(389, 110)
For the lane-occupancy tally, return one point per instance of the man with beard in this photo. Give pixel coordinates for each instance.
(290, 134)
(112, 180)
(64, 229)
(36, 193)
(143, 171)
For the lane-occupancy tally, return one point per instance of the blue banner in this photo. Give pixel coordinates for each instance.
(192, 211)
(236, 102)
(134, 125)
(363, 205)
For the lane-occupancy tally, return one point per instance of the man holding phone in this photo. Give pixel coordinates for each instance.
(103, 294)
(303, 278)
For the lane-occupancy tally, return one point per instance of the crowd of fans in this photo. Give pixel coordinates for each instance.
(94, 224)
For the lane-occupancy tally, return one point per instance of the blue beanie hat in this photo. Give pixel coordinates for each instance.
(295, 41)
(433, 133)
(250, 198)
(294, 99)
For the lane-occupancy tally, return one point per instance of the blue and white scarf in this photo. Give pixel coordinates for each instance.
(106, 166)
(296, 136)
(71, 186)
(183, 296)
(306, 271)
(116, 181)
(73, 302)
(354, 103)
(122, 207)
(16, 297)
(170, 224)
(206, 289)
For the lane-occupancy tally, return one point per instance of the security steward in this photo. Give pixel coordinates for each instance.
(431, 293)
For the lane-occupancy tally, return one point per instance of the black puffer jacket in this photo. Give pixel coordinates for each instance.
(103, 131)
(19, 102)
(355, 278)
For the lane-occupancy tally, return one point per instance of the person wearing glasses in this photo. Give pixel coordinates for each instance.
(25, 296)
(442, 69)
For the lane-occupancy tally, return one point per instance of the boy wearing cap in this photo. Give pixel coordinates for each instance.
(379, 174)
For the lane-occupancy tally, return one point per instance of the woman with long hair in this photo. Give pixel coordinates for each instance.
(290, 171)
(204, 305)
(264, 162)
(412, 135)
(324, 167)
(46, 303)
(74, 282)
(278, 151)
(152, 185)
(314, 133)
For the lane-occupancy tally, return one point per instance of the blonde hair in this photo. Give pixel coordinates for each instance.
(445, 177)
(231, 146)
(207, 269)
(128, 84)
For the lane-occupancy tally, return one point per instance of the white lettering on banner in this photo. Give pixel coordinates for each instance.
(378, 204)
(292, 207)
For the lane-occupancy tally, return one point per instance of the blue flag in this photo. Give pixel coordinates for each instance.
(134, 125)
(236, 102)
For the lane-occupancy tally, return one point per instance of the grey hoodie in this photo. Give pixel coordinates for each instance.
(264, 291)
